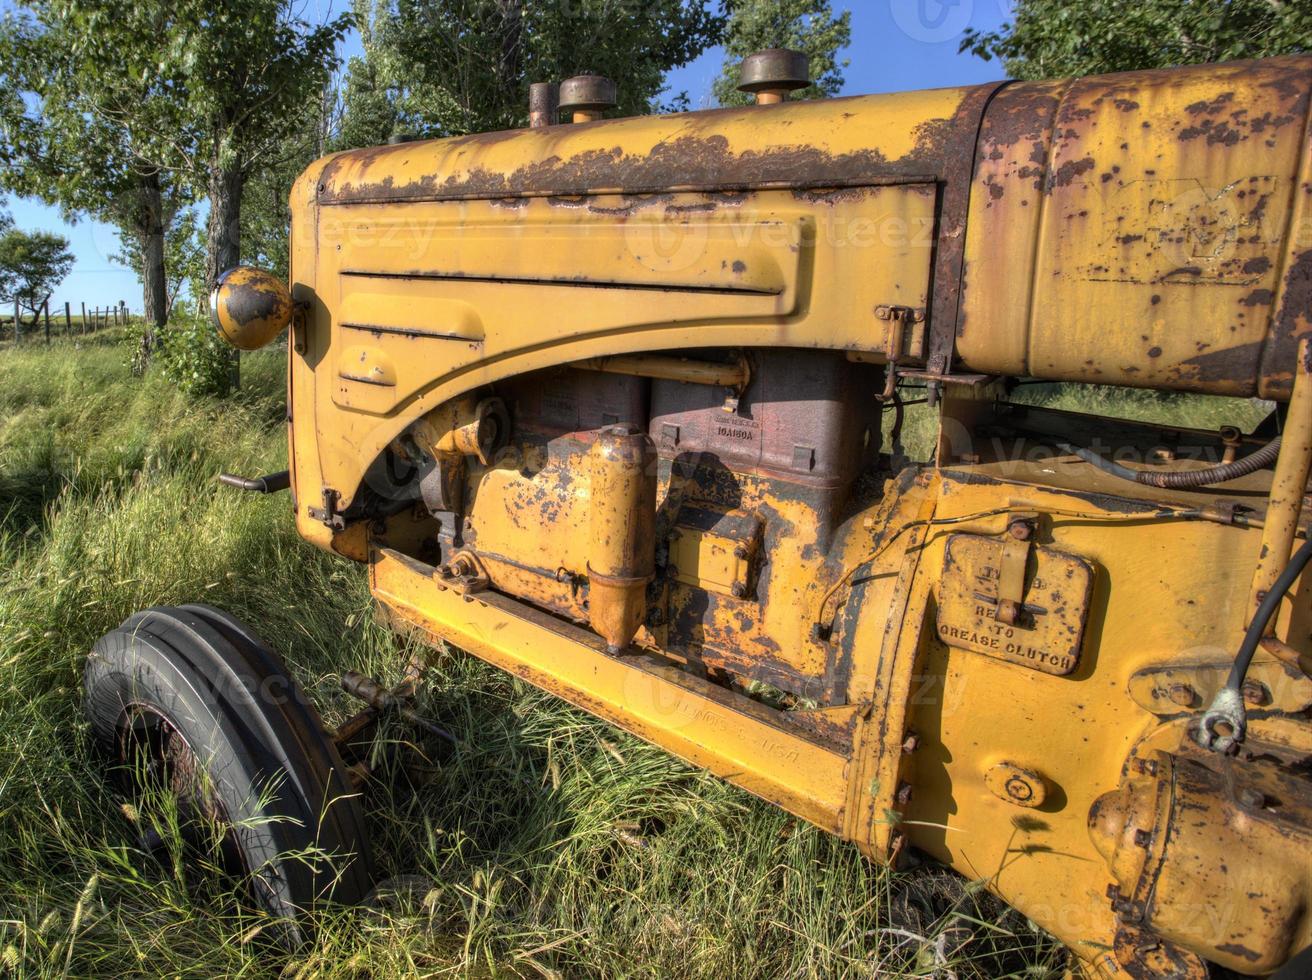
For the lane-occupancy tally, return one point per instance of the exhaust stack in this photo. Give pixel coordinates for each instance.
(543, 104)
(587, 96)
(770, 75)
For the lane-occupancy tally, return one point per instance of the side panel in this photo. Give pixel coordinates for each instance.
(418, 303)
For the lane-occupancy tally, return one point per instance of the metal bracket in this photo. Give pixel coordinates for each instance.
(905, 338)
(935, 378)
(300, 325)
(1011, 576)
(1007, 592)
(906, 332)
(464, 574)
(328, 514)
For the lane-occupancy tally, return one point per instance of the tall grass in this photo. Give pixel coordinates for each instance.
(547, 845)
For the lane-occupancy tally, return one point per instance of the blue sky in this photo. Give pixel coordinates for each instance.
(897, 45)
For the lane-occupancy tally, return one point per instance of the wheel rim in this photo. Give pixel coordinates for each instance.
(155, 757)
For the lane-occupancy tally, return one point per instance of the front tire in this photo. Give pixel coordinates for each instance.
(192, 701)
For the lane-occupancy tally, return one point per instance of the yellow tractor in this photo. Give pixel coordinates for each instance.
(617, 406)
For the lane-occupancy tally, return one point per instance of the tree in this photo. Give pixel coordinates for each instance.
(464, 66)
(32, 264)
(1057, 39)
(227, 85)
(808, 26)
(248, 68)
(370, 110)
(184, 256)
(265, 208)
(76, 132)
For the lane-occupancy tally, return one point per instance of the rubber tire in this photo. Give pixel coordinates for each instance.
(279, 777)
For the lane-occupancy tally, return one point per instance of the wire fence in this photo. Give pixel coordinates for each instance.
(23, 326)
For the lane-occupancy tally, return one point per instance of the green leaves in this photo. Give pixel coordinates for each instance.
(464, 66)
(193, 359)
(32, 264)
(808, 26)
(1056, 39)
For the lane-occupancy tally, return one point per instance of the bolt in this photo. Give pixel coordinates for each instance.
(740, 553)
(910, 743)
(1183, 695)
(446, 571)
(904, 793)
(739, 590)
(1021, 530)
(1256, 693)
(1142, 838)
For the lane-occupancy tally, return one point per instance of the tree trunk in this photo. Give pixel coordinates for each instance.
(150, 230)
(223, 236)
(152, 252)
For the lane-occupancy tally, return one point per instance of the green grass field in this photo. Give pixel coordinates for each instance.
(551, 845)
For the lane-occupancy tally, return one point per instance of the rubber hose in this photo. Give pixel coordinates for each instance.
(1183, 479)
(1267, 609)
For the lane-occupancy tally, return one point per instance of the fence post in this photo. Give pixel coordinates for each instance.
(18, 327)
(68, 320)
(47, 312)
(84, 319)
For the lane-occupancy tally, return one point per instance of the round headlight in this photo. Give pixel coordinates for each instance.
(250, 307)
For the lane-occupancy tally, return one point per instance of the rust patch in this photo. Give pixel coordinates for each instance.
(1217, 131)
(691, 162)
(1293, 321)
(956, 145)
(823, 196)
(1210, 106)
(1069, 170)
